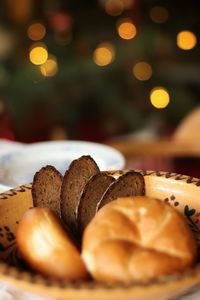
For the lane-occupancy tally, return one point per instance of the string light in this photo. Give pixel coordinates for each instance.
(159, 97)
(114, 7)
(104, 54)
(186, 40)
(36, 31)
(159, 14)
(38, 54)
(50, 67)
(126, 29)
(142, 71)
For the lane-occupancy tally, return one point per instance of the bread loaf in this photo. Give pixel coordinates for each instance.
(47, 248)
(75, 178)
(137, 238)
(46, 188)
(130, 183)
(92, 193)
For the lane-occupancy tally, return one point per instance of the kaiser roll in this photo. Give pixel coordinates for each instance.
(137, 238)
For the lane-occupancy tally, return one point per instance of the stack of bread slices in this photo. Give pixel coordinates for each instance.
(83, 190)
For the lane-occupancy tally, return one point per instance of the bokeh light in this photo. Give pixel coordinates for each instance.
(159, 14)
(61, 21)
(114, 7)
(38, 54)
(159, 97)
(50, 67)
(104, 54)
(126, 29)
(58, 133)
(186, 40)
(142, 71)
(36, 31)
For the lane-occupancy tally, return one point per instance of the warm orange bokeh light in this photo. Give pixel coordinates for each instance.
(36, 31)
(104, 54)
(186, 40)
(142, 71)
(159, 97)
(159, 14)
(38, 54)
(126, 29)
(50, 67)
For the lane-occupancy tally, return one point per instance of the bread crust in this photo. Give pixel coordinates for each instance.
(47, 248)
(74, 180)
(130, 183)
(46, 188)
(137, 238)
(92, 193)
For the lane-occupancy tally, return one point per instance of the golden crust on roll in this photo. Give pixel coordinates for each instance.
(47, 248)
(137, 238)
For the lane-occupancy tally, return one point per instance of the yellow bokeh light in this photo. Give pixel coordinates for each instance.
(50, 67)
(38, 54)
(159, 97)
(36, 31)
(126, 29)
(104, 54)
(159, 14)
(186, 40)
(114, 7)
(142, 71)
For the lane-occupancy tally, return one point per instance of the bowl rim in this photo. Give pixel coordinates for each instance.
(36, 282)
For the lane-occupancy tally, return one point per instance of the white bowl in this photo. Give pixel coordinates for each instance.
(19, 166)
(4, 188)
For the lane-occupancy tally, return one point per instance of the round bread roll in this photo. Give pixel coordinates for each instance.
(137, 238)
(46, 247)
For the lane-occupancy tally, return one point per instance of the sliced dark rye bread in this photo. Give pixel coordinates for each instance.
(129, 184)
(74, 180)
(46, 188)
(116, 173)
(92, 193)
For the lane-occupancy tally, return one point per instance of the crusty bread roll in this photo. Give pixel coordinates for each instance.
(137, 238)
(47, 248)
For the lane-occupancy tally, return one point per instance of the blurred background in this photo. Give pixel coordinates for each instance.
(101, 71)
(93, 70)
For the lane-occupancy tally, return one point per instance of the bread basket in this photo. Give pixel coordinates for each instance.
(182, 192)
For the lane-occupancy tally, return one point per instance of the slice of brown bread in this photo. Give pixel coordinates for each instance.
(46, 188)
(129, 184)
(92, 193)
(74, 180)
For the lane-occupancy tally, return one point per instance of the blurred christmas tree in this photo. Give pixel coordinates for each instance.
(94, 69)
